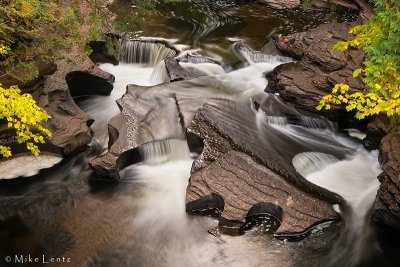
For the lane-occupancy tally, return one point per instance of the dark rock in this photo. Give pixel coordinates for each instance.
(82, 83)
(386, 209)
(211, 205)
(319, 69)
(265, 216)
(271, 49)
(100, 53)
(383, 216)
(196, 58)
(376, 130)
(298, 236)
(366, 11)
(68, 123)
(230, 227)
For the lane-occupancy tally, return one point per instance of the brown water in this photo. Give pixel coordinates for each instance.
(210, 24)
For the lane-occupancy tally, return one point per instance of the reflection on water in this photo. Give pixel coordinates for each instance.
(209, 24)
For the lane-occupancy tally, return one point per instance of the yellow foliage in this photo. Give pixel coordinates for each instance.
(24, 116)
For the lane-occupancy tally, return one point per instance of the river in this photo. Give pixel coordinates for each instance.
(61, 213)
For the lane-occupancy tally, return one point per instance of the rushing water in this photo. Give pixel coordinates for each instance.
(67, 213)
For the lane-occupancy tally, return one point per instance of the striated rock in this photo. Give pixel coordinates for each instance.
(242, 182)
(319, 67)
(234, 125)
(68, 123)
(386, 209)
(143, 118)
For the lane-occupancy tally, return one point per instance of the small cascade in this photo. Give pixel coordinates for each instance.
(316, 123)
(163, 176)
(207, 68)
(145, 52)
(355, 179)
(159, 74)
(164, 151)
(310, 162)
(104, 108)
(189, 57)
(256, 57)
(275, 120)
(249, 81)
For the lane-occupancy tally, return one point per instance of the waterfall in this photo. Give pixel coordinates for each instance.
(145, 52)
(355, 179)
(310, 162)
(255, 56)
(205, 67)
(163, 176)
(159, 74)
(275, 120)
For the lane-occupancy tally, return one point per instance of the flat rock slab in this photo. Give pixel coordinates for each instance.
(242, 183)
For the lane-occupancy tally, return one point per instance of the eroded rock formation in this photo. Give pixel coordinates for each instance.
(143, 118)
(68, 123)
(319, 67)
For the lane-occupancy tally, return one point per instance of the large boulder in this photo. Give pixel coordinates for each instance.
(69, 124)
(319, 67)
(246, 160)
(242, 182)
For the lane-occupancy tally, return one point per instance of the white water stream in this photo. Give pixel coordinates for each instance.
(164, 235)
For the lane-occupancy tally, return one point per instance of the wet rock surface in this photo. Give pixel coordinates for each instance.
(386, 209)
(68, 123)
(239, 163)
(319, 67)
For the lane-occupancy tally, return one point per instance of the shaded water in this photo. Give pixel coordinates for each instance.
(211, 25)
(67, 212)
